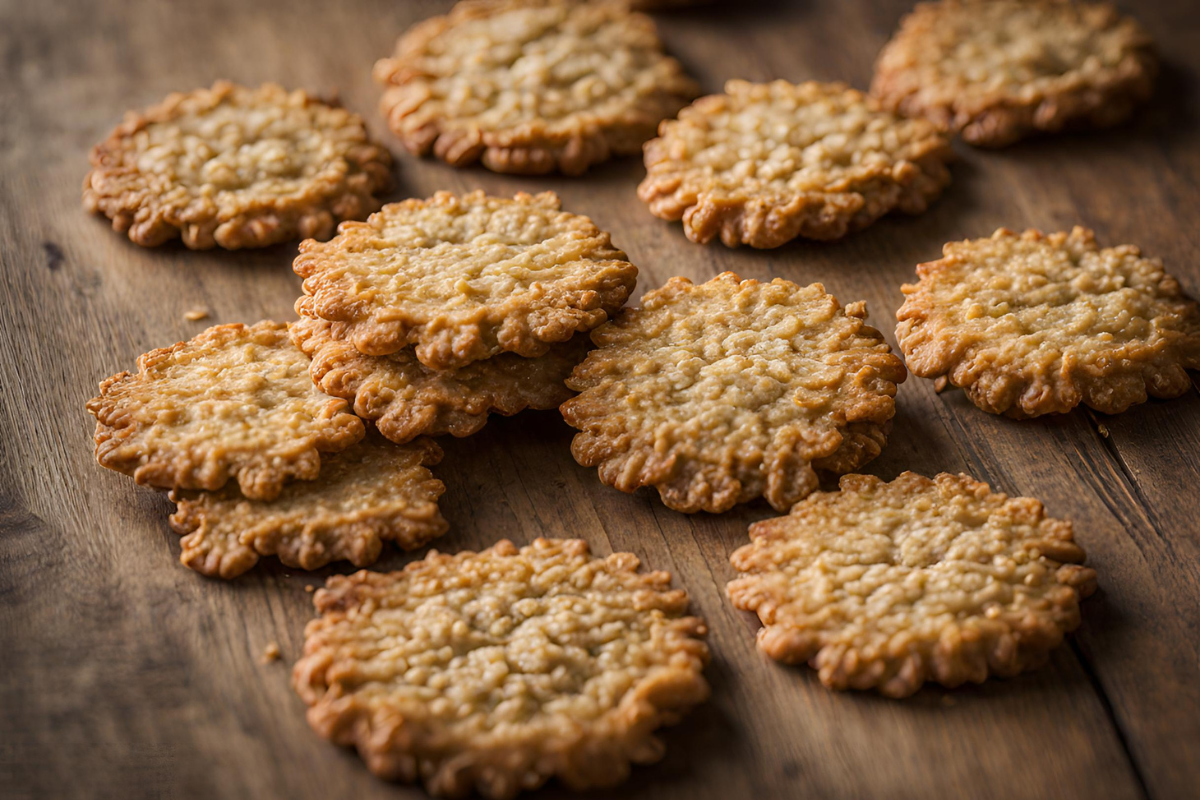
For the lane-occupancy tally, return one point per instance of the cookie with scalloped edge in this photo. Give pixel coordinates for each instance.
(372, 493)
(234, 402)
(889, 585)
(461, 279)
(496, 671)
(404, 398)
(531, 86)
(764, 163)
(235, 167)
(720, 392)
(1030, 324)
(996, 71)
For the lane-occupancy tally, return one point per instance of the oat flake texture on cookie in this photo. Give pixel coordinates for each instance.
(764, 163)
(531, 86)
(722, 392)
(235, 167)
(372, 493)
(233, 403)
(404, 398)
(496, 671)
(998, 70)
(1030, 324)
(889, 585)
(466, 278)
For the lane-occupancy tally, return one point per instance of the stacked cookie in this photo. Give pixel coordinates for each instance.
(435, 313)
(258, 461)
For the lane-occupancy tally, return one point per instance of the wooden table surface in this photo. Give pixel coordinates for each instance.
(125, 675)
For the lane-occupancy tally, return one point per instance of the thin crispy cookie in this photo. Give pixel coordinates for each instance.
(234, 402)
(236, 167)
(498, 670)
(465, 278)
(999, 70)
(375, 492)
(404, 398)
(531, 86)
(767, 162)
(1030, 324)
(889, 585)
(719, 393)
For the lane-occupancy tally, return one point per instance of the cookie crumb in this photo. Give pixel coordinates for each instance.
(310, 588)
(1100, 426)
(270, 653)
(196, 314)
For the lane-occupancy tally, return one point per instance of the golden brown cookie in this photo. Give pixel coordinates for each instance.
(1030, 324)
(889, 585)
(465, 278)
(404, 398)
(531, 86)
(233, 402)
(236, 167)
(767, 162)
(372, 493)
(998, 70)
(495, 671)
(718, 393)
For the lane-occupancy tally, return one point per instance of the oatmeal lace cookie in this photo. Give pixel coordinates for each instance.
(372, 493)
(531, 86)
(999, 70)
(718, 393)
(233, 402)
(767, 162)
(404, 398)
(889, 585)
(498, 670)
(465, 278)
(1030, 324)
(236, 167)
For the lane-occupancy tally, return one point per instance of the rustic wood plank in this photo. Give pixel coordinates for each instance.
(125, 674)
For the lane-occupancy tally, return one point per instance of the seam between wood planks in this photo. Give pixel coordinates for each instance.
(1111, 713)
(991, 474)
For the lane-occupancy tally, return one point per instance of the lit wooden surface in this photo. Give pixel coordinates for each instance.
(123, 674)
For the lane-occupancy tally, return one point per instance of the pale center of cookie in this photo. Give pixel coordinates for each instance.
(1006, 46)
(559, 67)
(867, 566)
(242, 395)
(764, 139)
(497, 644)
(269, 149)
(1043, 304)
(466, 255)
(746, 372)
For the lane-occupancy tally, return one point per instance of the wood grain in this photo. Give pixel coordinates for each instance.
(123, 674)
